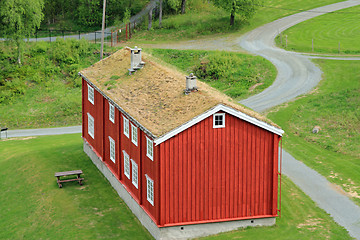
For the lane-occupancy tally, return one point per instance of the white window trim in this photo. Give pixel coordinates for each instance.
(134, 129)
(91, 90)
(126, 163)
(149, 182)
(147, 148)
(135, 172)
(126, 126)
(223, 119)
(91, 131)
(111, 113)
(112, 146)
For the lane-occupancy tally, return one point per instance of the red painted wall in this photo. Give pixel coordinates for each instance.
(112, 129)
(96, 111)
(218, 174)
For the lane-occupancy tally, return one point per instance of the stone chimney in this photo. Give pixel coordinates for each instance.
(190, 84)
(136, 62)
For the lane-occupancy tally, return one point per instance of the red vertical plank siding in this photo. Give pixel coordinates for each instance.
(218, 174)
(96, 111)
(111, 130)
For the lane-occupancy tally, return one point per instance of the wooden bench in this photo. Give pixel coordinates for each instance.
(69, 173)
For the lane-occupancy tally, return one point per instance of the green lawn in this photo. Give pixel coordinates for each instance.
(34, 207)
(334, 106)
(202, 19)
(237, 75)
(327, 32)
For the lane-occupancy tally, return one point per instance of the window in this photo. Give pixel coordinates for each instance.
(126, 126)
(149, 148)
(91, 126)
(90, 94)
(111, 112)
(134, 176)
(112, 149)
(134, 135)
(126, 165)
(149, 190)
(219, 120)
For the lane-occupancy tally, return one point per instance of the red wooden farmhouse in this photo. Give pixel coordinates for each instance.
(187, 163)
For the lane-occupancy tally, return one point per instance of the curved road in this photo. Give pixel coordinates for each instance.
(296, 75)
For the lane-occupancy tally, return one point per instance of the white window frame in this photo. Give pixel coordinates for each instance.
(91, 96)
(126, 165)
(134, 172)
(126, 126)
(91, 126)
(149, 189)
(112, 149)
(223, 120)
(111, 113)
(134, 134)
(149, 150)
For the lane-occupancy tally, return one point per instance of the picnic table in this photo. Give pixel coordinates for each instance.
(69, 173)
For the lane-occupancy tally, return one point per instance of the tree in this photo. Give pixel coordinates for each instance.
(19, 20)
(245, 8)
(150, 19)
(160, 12)
(183, 4)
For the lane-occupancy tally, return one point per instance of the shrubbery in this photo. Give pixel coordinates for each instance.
(43, 62)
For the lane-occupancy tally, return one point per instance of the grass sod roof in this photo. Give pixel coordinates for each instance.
(154, 95)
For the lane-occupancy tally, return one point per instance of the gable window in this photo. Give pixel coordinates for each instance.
(90, 94)
(219, 120)
(149, 189)
(91, 126)
(134, 177)
(112, 149)
(111, 113)
(134, 135)
(126, 165)
(149, 148)
(126, 126)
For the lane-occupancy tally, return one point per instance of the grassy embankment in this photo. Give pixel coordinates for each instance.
(46, 90)
(334, 106)
(237, 75)
(33, 206)
(202, 19)
(327, 32)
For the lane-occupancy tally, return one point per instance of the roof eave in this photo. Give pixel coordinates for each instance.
(219, 107)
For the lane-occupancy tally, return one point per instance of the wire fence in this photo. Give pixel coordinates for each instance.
(111, 37)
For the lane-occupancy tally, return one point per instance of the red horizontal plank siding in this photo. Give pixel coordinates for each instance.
(215, 174)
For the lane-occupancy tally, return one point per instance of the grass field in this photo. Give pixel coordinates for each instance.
(33, 207)
(327, 32)
(334, 106)
(237, 75)
(202, 19)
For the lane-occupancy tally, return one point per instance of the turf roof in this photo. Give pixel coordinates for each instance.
(154, 95)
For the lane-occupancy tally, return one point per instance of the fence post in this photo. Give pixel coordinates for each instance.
(129, 30)
(281, 39)
(50, 34)
(126, 31)
(111, 38)
(286, 41)
(95, 37)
